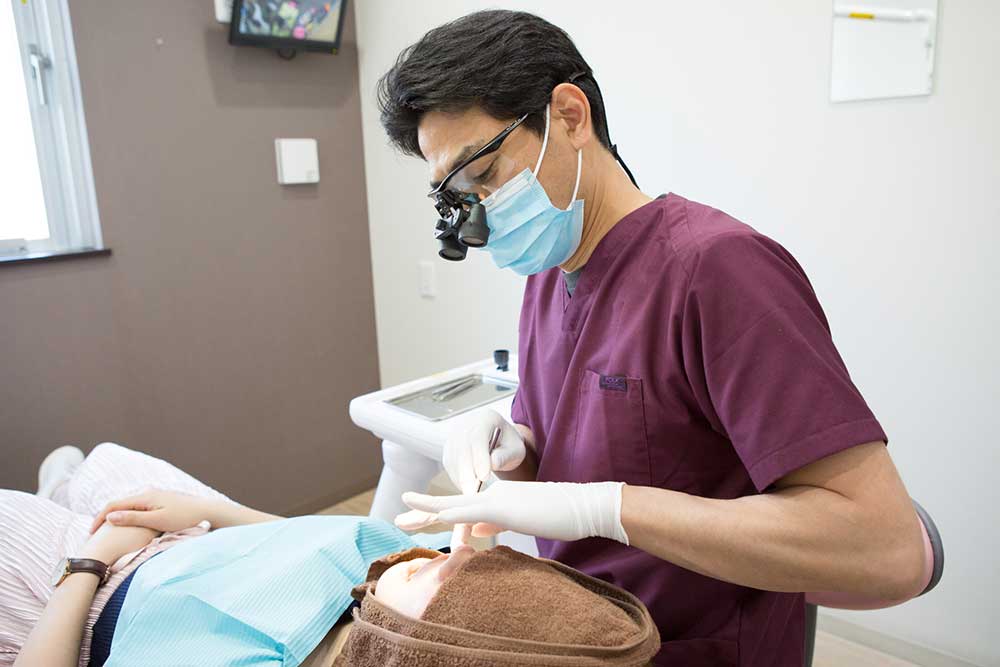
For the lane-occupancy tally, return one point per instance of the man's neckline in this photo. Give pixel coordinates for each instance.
(572, 279)
(611, 232)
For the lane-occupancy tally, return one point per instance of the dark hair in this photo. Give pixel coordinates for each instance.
(505, 62)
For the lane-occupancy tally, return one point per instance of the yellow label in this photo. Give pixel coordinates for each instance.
(860, 15)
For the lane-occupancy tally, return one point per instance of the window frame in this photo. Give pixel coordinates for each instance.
(44, 29)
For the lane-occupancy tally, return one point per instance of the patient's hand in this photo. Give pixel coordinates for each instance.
(110, 543)
(162, 511)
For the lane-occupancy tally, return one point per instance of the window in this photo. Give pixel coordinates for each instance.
(48, 187)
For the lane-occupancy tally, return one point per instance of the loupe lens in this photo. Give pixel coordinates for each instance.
(474, 233)
(451, 249)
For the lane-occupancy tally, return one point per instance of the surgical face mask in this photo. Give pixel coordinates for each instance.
(528, 234)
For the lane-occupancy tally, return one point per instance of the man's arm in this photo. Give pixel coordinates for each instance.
(844, 523)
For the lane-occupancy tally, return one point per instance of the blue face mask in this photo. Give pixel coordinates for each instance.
(527, 233)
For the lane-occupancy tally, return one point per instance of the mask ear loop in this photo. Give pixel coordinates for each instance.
(579, 170)
(579, 161)
(545, 142)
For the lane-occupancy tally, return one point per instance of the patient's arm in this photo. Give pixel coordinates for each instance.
(234, 514)
(55, 639)
(167, 511)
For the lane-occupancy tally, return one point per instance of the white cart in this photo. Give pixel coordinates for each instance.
(413, 420)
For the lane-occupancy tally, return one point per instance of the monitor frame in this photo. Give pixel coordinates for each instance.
(237, 38)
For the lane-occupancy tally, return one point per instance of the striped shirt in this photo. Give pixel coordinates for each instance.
(37, 533)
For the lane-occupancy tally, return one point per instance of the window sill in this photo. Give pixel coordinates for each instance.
(53, 256)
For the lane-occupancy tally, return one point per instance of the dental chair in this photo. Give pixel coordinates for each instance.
(933, 568)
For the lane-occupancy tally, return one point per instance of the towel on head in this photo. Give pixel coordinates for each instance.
(503, 607)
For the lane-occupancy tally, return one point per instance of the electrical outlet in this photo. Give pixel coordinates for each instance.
(428, 288)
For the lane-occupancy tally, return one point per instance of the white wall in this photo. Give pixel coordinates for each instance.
(890, 206)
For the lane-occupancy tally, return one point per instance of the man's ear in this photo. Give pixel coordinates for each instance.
(569, 104)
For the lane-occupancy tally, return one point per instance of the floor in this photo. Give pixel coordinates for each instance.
(831, 651)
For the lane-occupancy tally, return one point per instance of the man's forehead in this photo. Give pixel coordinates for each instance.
(448, 138)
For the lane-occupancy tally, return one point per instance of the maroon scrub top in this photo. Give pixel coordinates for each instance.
(693, 356)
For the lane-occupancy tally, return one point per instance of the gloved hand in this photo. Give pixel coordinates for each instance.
(552, 510)
(466, 452)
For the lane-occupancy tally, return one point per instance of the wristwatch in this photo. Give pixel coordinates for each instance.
(68, 566)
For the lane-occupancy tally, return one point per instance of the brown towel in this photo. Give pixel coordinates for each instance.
(503, 608)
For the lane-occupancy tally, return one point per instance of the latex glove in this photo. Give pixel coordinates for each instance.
(466, 456)
(551, 510)
(460, 535)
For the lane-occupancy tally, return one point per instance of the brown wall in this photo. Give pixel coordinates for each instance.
(234, 320)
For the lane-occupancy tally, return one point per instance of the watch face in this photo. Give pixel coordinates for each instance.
(59, 571)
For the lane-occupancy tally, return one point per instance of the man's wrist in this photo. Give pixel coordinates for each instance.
(606, 508)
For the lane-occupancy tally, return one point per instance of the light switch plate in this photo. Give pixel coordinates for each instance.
(298, 161)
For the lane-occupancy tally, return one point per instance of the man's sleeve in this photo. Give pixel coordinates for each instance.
(761, 360)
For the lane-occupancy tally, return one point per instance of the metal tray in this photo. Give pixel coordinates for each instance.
(448, 399)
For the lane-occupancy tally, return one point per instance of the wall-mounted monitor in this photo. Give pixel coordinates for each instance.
(304, 25)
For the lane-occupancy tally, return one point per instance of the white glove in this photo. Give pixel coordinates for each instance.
(551, 510)
(466, 452)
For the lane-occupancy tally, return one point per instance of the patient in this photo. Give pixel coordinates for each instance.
(266, 589)
(494, 607)
(104, 507)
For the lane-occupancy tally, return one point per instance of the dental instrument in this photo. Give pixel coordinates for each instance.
(494, 441)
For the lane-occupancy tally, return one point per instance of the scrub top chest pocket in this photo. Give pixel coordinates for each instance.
(610, 441)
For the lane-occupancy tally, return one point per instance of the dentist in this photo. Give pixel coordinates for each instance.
(684, 426)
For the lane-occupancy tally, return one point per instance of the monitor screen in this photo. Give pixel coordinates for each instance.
(310, 25)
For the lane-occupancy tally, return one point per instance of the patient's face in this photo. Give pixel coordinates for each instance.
(409, 586)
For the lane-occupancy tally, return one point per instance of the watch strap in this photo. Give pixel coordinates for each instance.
(74, 565)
